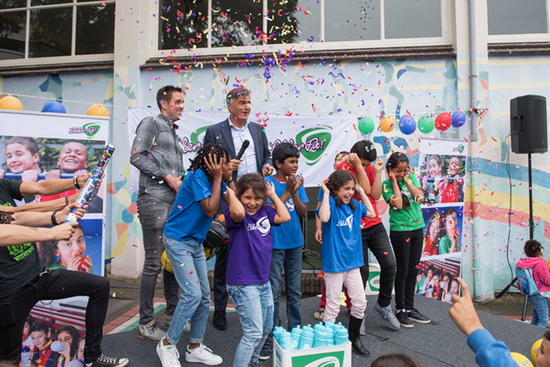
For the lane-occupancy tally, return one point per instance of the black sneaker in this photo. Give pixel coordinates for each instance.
(404, 320)
(267, 350)
(104, 361)
(418, 317)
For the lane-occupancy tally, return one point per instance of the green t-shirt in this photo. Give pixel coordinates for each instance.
(445, 245)
(408, 219)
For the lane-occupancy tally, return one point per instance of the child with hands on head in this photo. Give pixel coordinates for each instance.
(249, 222)
(403, 192)
(71, 253)
(342, 255)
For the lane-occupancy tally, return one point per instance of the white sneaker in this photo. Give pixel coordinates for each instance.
(168, 355)
(203, 355)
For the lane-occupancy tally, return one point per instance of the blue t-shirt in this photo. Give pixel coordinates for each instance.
(187, 219)
(250, 247)
(288, 235)
(342, 249)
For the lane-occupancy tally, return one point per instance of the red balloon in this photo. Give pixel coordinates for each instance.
(443, 121)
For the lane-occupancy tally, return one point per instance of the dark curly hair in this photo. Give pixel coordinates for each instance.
(251, 181)
(393, 161)
(216, 150)
(336, 180)
(365, 150)
(532, 248)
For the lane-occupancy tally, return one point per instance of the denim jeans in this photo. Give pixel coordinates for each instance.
(56, 284)
(540, 310)
(291, 261)
(189, 265)
(375, 238)
(254, 304)
(152, 215)
(407, 246)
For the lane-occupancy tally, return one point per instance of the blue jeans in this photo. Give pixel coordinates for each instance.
(291, 261)
(189, 265)
(254, 304)
(540, 310)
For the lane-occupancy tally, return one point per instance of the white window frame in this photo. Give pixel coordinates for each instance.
(73, 59)
(521, 38)
(445, 39)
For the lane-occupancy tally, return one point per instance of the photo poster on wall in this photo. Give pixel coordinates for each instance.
(442, 169)
(38, 146)
(318, 138)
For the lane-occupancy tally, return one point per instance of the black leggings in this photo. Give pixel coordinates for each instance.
(407, 247)
(55, 284)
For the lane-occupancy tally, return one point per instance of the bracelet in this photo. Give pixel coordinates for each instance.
(75, 183)
(395, 198)
(419, 198)
(228, 182)
(66, 200)
(54, 222)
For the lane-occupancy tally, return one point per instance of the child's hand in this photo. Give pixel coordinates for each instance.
(270, 190)
(379, 165)
(2, 173)
(408, 174)
(391, 175)
(214, 166)
(53, 174)
(359, 189)
(324, 186)
(319, 236)
(29, 175)
(61, 216)
(353, 158)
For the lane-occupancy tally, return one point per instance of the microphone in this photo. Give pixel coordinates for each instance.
(245, 145)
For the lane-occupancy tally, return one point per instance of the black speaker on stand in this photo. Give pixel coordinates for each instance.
(528, 128)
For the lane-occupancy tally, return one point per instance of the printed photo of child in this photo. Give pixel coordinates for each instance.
(451, 189)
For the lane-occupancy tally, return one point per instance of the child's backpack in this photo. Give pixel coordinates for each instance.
(526, 282)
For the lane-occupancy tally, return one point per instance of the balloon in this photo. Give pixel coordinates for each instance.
(97, 110)
(521, 360)
(387, 124)
(407, 125)
(366, 125)
(54, 106)
(165, 262)
(536, 345)
(459, 118)
(10, 103)
(443, 121)
(426, 123)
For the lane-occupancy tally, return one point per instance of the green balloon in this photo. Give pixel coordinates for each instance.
(426, 123)
(366, 125)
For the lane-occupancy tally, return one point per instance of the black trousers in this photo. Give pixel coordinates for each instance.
(407, 246)
(376, 239)
(220, 290)
(51, 285)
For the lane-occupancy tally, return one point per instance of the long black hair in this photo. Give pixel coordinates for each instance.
(216, 150)
(393, 161)
(336, 180)
(71, 330)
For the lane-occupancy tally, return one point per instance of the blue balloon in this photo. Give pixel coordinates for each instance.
(407, 125)
(459, 118)
(54, 106)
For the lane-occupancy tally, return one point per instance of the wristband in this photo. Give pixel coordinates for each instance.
(395, 198)
(75, 183)
(54, 222)
(419, 198)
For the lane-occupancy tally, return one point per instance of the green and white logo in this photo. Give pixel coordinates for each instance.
(330, 359)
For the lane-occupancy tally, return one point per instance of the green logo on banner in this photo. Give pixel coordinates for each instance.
(460, 148)
(330, 359)
(313, 142)
(194, 138)
(89, 129)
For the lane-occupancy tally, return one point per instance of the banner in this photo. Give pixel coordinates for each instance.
(36, 146)
(318, 138)
(441, 170)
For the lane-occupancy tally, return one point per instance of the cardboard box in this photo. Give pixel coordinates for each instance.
(333, 356)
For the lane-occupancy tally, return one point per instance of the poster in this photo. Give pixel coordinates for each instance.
(442, 168)
(38, 146)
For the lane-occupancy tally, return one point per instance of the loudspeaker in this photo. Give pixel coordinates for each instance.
(528, 124)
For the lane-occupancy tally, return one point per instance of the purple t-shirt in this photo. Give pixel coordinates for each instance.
(249, 257)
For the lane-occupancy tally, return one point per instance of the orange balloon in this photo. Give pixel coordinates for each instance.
(11, 103)
(97, 110)
(387, 124)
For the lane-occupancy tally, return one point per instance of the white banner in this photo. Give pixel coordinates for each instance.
(319, 138)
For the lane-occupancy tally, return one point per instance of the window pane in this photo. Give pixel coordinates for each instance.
(95, 29)
(12, 35)
(237, 23)
(10, 4)
(294, 21)
(412, 19)
(50, 32)
(183, 24)
(348, 20)
(49, 2)
(517, 17)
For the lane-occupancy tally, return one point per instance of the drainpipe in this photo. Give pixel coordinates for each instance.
(476, 264)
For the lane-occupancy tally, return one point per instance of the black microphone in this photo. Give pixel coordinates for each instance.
(245, 145)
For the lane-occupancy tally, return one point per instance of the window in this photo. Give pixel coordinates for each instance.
(31, 29)
(517, 17)
(222, 26)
